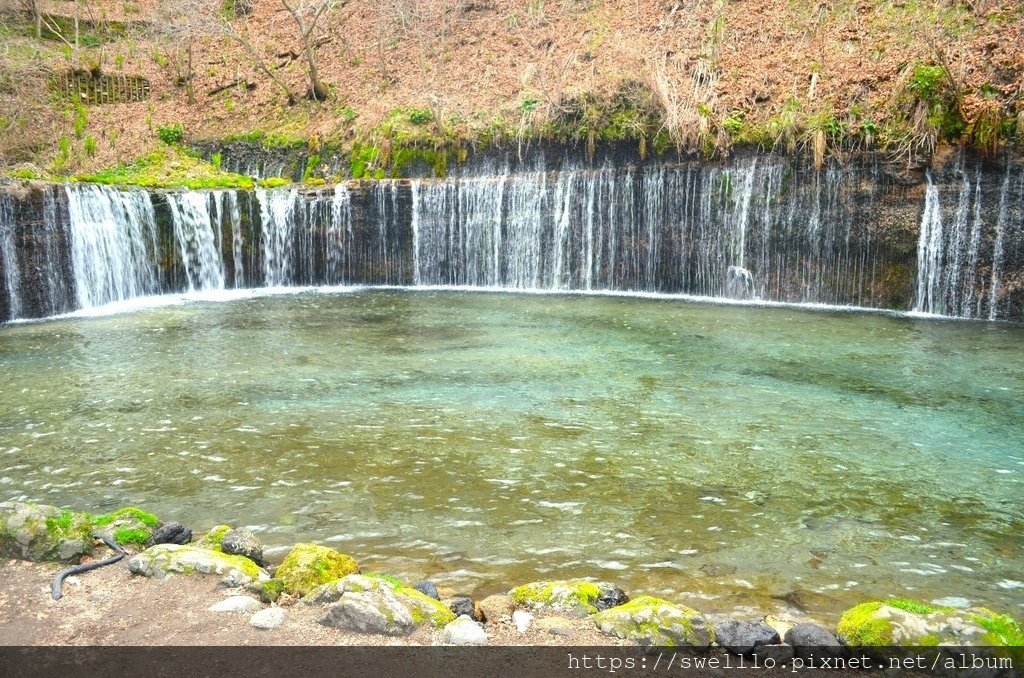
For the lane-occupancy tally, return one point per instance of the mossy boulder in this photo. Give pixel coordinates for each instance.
(378, 605)
(166, 559)
(309, 565)
(128, 526)
(568, 595)
(43, 533)
(212, 539)
(653, 621)
(898, 621)
(422, 608)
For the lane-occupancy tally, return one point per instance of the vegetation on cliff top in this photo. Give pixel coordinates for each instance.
(396, 84)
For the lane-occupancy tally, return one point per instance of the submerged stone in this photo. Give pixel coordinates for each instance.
(568, 595)
(165, 559)
(43, 533)
(653, 621)
(309, 565)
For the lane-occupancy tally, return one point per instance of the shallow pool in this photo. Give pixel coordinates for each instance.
(723, 456)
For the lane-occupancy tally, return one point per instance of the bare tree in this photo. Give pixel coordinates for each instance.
(307, 14)
(184, 21)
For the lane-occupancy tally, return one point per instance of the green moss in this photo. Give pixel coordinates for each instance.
(858, 626)
(271, 590)
(565, 594)
(129, 512)
(309, 565)
(135, 537)
(422, 606)
(61, 523)
(312, 162)
(274, 182)
(915, 606)
(169, 167)
(394, 581)
(212, 539)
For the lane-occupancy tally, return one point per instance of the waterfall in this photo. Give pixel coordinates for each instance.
(197, 234)
(929, 254)
(113, 244)
(754, 227)
(9, 257)
(277, 209)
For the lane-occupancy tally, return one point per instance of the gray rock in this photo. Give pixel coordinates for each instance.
(241, 542)
(810, 639)
(463, 605)
(170, 533)
(267, 619)
(166, 559)
(463, 631)
(378, 611)
(611, 596)
(428, 588)
(236, 604)
(652, 621)
(741, 637)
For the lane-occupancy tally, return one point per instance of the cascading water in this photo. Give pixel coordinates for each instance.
(9, 257)
(196, 232)
(113, 244)
(963, 248)
(755, 228)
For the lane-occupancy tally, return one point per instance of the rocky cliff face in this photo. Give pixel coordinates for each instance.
(946, 239)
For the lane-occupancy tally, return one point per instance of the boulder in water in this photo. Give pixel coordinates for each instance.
(171, 533)
(569, 595)
(243, 543)
(309, 565)
(652, 621)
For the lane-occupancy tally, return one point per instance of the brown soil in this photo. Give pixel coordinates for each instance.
(110, 606)
(473, 63)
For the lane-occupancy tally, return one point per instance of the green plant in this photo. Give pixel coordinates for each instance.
(90, 145)
(63, 153)
(81, 119)
(312, 162)
(170, 134)
(529, 105)
(419, 116)
(733, 123)
(926, 82)
(216, 160)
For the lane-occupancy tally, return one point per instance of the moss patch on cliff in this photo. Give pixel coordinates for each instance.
(168, 167)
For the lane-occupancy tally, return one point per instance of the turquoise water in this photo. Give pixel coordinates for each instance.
(723, 456)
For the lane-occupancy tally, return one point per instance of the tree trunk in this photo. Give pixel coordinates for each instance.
(317, 87)
(189, 87)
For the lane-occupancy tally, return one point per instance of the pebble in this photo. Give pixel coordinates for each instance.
(270, 618)
(522, 620)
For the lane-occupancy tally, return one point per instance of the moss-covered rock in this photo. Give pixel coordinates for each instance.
(421, 607)
(43, 533)
(653, 621)
(128, 526)
(378, 605)
(309, 565)
(568, 595)
(898, 621)
(165, 559)
(212, 539)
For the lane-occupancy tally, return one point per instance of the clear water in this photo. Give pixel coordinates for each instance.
(724, 456)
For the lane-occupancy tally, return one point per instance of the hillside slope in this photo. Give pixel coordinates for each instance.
(697, 75)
